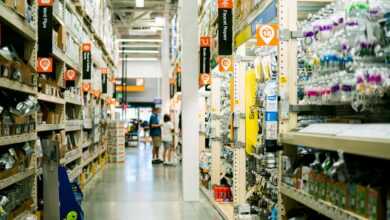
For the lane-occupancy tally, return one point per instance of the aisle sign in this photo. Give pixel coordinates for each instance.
(205, 54)
(225, 64)
(45, 36)
(87, 60)
(86, 87)
(267, 35)
(45, 65)
(104, 72)
(225, 27)
(70, 75)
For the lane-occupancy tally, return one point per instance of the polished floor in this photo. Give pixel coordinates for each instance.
(141, 191)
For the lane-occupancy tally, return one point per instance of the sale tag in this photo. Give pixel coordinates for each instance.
(45, 65)
(267, 35)
(225, 64)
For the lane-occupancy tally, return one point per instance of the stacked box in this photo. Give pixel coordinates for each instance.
(116, 141)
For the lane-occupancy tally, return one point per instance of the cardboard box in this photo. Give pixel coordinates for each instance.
(18, 5)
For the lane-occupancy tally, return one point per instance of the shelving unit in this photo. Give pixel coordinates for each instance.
(51, 90)
(326, 208)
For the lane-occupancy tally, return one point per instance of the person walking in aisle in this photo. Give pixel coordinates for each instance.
(155, 133)
(167, 138)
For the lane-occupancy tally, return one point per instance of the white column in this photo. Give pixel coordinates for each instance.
(165, 66)
(190, 105)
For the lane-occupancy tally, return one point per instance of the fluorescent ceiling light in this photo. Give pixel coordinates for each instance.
(139, 59)
(140, 51)
(129, 46)
(139, 40)
(139, 3)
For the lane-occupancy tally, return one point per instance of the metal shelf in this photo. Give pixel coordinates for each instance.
(16, 139)
(66, 59)
(85, 145)
(226, 210)
(90, 159)
(17, 86)
(252, 16)
(75, 173)
(51, 99)
(73, 100)
(379, 148)
(87, 124)
(4, 183)
(17, 22)
(323, 207)
(73, 125)
(50, 127)
(71, 156)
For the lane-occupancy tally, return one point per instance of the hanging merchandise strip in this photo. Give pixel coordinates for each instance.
(87, 60)
(104, 72)
(45, 38)
(204, 77)
(225, 27)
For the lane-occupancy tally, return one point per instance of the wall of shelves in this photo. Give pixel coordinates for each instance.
(58, 100)
(370, 145)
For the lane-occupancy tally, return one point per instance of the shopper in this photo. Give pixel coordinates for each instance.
(167, 138)
(155, 133)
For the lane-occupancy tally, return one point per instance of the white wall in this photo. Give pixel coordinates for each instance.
(141, 69)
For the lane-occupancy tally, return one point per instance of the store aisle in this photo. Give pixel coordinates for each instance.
(137, 190)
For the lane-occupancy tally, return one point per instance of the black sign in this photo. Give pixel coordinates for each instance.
(45, 29)
(87, 61)
(225, 31)
(104, 83)
(204, 60)
(178, 82)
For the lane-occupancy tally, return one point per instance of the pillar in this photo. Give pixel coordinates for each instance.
(188, 12)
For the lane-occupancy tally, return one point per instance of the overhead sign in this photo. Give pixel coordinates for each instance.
(267, 35)
(225, 27)
(87, 60)
(225, 64)
(45, 36)
(70, 75)
(205, 55)
(104, 76)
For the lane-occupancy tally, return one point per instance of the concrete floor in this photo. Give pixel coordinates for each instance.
(137, 190)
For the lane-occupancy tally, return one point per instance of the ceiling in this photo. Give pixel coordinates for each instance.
(139, 28)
